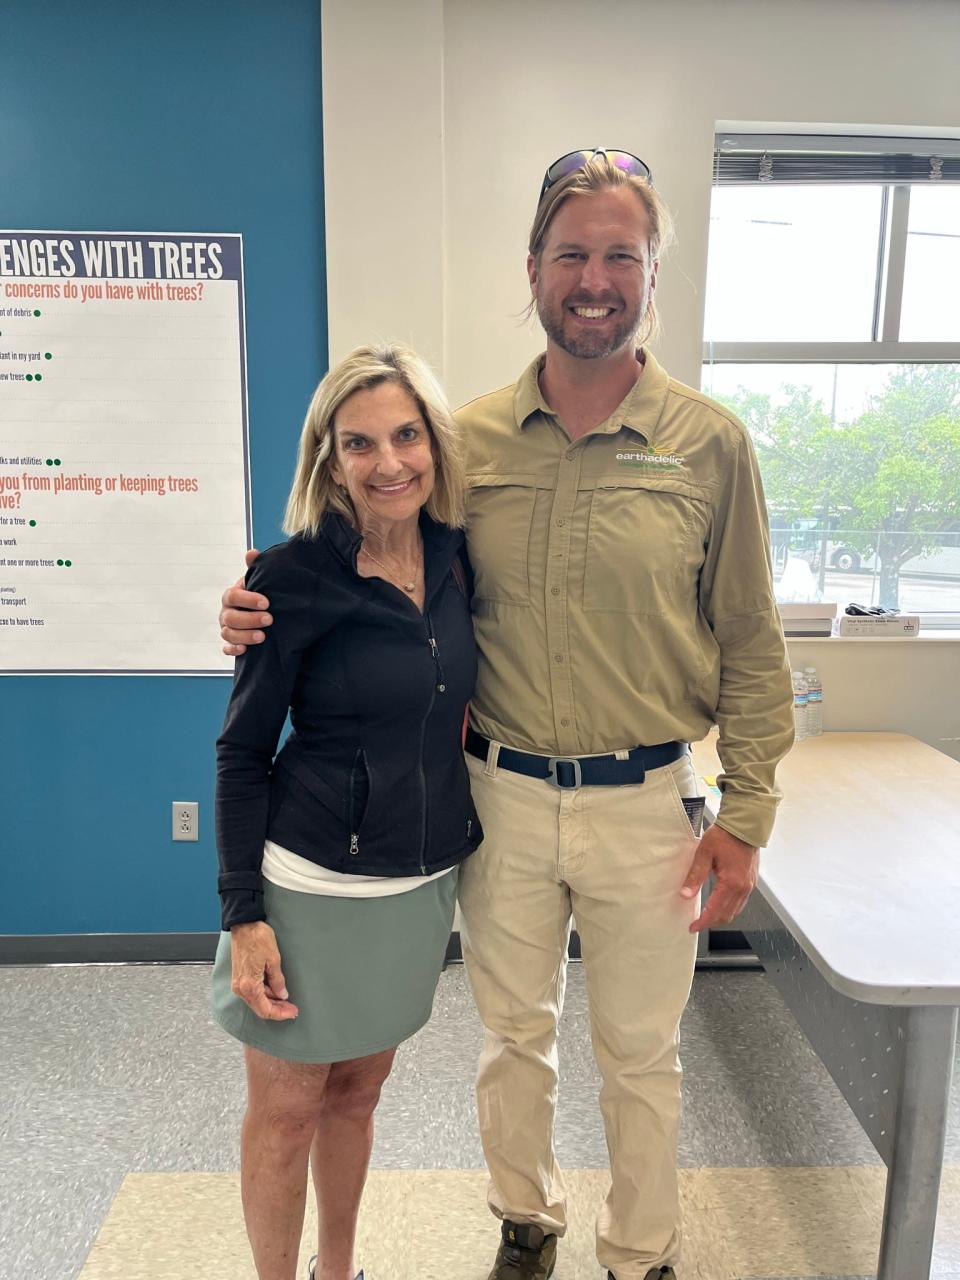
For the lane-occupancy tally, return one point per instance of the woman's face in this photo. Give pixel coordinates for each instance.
(383, 454)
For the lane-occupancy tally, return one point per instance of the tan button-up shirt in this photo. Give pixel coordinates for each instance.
(623, 590)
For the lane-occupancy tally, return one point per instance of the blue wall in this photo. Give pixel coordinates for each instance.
(200, 116)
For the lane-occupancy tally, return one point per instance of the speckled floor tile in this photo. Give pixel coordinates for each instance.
(450, 1138)
(580, 1139)
(117, 1069)
(755, 1093)
(50, 1216)
(740, 1224)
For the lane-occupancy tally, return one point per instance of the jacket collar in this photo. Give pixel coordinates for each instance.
(440, 542)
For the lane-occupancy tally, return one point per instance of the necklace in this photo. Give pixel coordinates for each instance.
(407, 586)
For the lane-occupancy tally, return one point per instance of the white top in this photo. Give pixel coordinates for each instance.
(290, 871)
(864, 864)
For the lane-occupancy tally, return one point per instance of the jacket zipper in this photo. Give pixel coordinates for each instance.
(354, 836)
(434, 649)
(438, 687)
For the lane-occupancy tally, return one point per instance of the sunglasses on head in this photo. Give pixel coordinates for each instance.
(575, 160)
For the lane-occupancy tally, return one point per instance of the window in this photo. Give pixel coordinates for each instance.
(833, 331)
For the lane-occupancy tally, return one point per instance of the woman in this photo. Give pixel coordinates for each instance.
(338, 854)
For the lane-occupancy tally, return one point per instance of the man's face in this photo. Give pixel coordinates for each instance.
(595, 278)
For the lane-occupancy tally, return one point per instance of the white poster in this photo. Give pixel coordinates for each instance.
(124, 482)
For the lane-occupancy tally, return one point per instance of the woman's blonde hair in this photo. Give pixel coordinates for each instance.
(315, 492)
(597, 175)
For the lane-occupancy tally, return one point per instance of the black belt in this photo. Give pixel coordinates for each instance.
(570, 772)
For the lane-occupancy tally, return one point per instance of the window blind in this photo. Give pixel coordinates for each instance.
(805, 158)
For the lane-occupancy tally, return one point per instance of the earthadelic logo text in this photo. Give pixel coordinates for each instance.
(651, 458)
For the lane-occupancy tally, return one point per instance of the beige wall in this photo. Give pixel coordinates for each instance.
(384, 172)
(903, 686)
(439, 119)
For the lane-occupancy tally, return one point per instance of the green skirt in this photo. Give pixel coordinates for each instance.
(362, 971)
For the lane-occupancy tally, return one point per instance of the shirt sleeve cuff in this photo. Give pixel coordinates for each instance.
(748, 818)
(240, 906)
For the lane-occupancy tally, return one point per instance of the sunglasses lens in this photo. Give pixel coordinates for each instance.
(567, 164)
(628, 163)
(575, 160)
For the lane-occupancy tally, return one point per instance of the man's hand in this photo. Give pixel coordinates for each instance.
(257, 976)
(734, 864)
(240, 616)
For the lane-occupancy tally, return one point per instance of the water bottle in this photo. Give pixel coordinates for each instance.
(800, 706)
(814, 702)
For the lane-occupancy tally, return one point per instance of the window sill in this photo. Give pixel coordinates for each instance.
(929, 637)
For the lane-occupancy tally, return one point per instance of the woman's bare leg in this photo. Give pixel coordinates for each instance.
(285, 1101)
(339, 1157)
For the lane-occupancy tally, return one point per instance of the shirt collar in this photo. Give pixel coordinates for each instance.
(640, 410)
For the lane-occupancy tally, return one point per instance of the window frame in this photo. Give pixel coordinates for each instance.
(841, 160)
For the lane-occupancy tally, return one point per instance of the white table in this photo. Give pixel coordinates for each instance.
(857, 923)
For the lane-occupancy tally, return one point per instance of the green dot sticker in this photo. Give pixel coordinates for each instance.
(56, 462)
(38, 377)
(60, 562)
(49, 462)
(29, 377)
(36, 313)
(68, 563)
(48, 355)
(33, 524)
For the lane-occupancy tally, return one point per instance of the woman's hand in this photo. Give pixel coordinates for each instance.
(257, 976)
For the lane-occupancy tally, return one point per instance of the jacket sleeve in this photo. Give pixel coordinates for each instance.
(263, 683)
(755, 707)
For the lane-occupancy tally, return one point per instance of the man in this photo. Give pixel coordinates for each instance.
(623, 605)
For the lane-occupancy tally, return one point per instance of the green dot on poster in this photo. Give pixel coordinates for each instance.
(38, 377)
(49, 462)
(33, 524)
(36, 313)
(60, 562)
(48, 355)
(68, 563)
(56, 462)
(29, 377)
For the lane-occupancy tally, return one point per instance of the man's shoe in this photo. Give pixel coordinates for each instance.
(658, 1273)
(526, 1253)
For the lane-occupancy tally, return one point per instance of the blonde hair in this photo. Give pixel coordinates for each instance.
(315, 492)
(597, 175)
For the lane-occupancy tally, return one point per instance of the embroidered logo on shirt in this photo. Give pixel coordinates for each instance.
(650, 458)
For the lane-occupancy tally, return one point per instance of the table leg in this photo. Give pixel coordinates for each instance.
(913, 1177)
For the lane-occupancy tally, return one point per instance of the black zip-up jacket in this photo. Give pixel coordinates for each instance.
(371, 779)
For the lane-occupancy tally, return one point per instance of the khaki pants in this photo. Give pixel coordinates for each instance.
(615, 858)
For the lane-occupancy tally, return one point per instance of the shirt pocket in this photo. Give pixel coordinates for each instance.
(645, 546)
(500, 511)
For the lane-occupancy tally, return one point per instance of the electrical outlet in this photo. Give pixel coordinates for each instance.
(186, 820)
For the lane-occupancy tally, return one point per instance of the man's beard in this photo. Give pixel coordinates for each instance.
(589, 345)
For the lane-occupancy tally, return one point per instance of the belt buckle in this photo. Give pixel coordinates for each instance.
(554, 781)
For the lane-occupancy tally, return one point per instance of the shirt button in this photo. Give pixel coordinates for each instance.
(560, 521)
(564, 721)
(441, 688)
(558, 657)
(554, 591)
